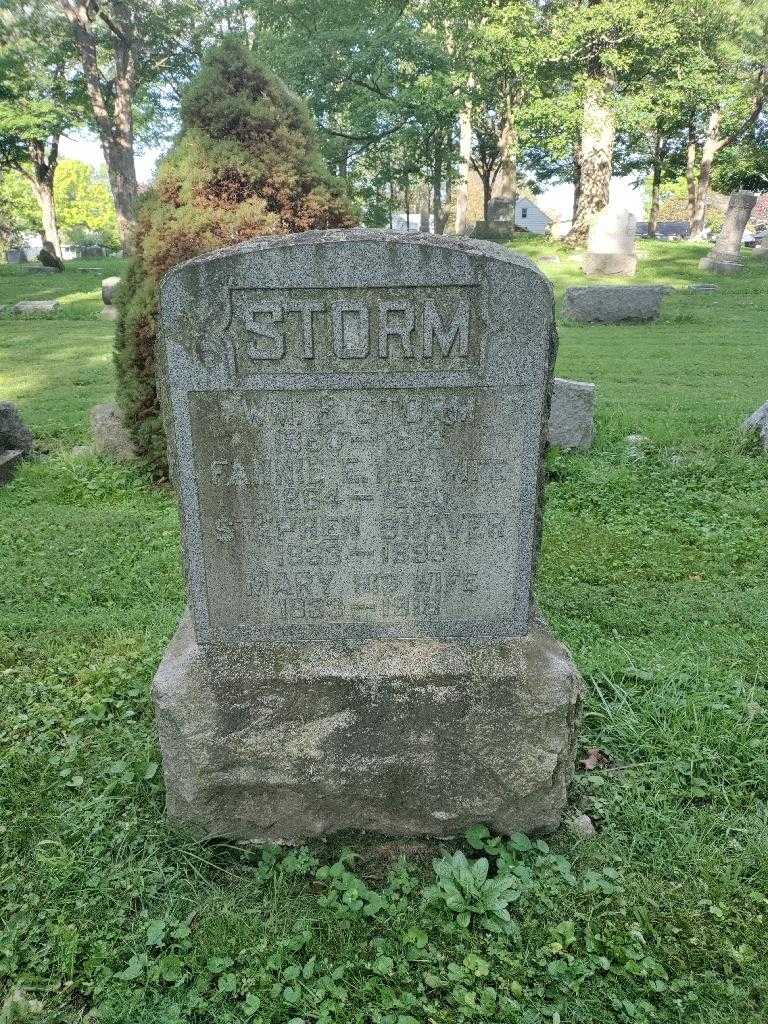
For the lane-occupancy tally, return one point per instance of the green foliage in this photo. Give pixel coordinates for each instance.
(19, 209)
(246, 163)
(84, 206)
(745, 165)
(468, 892)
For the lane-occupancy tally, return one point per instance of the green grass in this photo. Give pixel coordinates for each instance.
(653, 571)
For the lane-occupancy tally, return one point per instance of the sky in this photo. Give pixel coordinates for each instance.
(87, 148)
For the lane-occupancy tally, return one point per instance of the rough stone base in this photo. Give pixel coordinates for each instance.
(757, 423)
(613, 304)
(9, 463)
(406, 737)
(606, 264)
(720, 265)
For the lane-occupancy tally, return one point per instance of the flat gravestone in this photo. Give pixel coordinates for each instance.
(355, 422)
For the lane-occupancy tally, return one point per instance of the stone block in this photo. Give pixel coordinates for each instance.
(14, 434)
(109, 435)
(721, 265)
(613, 304)
(757, 423)
(108, 289)
(282, 742)
(602, 264)
(9, 463)
(109, 313)
(36, 307)
(571, 414)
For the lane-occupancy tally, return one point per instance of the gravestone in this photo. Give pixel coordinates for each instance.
(35, 307)
(611, 244)
(47, 256)
(110, 436)
(14, 433)
(108, 289)
(614, 304)
(356, 432)
(571, 414)
(757, 424)
(725, 258)
(16, 441)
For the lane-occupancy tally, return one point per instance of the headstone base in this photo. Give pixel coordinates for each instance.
(400, 737)
(602, 264)
(613, 304)
(9, 463)
(720, 266)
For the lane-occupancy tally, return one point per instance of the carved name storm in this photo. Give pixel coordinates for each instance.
(354, 328)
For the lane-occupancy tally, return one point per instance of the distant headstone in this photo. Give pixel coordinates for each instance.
(9, 463)
(16, 441)
(14, 433)
(93, 252)
(36, 306)
(16, 256)
(613, 304)
(725, 258)
(571, 414)
(355, 425)
(611, 244)
(110, 437)
(757, 424)
(108, 289)
(49, 259)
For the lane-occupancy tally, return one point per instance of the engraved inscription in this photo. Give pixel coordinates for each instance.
(349, 506)
(353, 329)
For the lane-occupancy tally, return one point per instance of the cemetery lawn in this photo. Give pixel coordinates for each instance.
(654, 571)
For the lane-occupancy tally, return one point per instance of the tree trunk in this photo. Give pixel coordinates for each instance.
(708, 153)
(690, 172)
(576, 180)
(44, 191)
(407, 191)
(465, 157)
(487, 188)
(424, 209)
(508, 144)
(43, 172)
(653, 213)
(598, 133)
(437, 184)
(115, 128)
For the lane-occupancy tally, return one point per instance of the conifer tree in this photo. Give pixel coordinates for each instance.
(246, 163)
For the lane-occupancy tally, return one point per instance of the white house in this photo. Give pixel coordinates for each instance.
(528, 216)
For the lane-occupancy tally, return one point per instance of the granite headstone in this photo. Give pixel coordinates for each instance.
(611, 244)
(725, 258)
(356, 426)
(614, 304)
(571, 414)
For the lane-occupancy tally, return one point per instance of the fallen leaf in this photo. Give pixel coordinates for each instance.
(593, 758)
